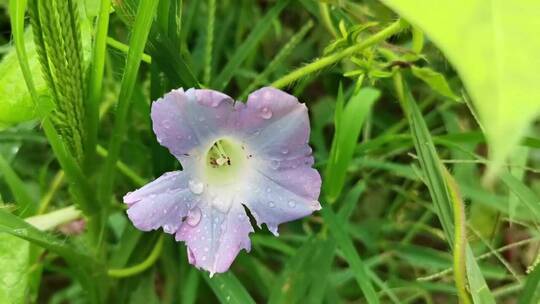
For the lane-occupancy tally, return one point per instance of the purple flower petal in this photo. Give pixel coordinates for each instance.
(287, 187)
(277, 124)
(214, 238)
(186, 122)
(161, 203)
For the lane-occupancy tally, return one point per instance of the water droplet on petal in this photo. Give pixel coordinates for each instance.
(196, 187)
(193, 217)
(268, 190)
(271, 204)
(274, 164)
(292, 204)
(201, 118)
(285, 151)
(265, 113)
(166, 124)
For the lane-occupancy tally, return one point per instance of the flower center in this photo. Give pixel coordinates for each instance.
(224, 161)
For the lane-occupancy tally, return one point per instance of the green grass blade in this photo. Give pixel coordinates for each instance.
(95, 83)
(431, 165)
(139, 35)
(351, 255)
(228, 288)
(348, 127)
(249, 45)
(278, 59)
(531, 291)
(27, 206)
(525, 195)
(434, 176)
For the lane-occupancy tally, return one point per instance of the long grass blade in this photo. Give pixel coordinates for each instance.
(249, 45)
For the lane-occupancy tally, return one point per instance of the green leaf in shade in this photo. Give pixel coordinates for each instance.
(531, 290)
(14, 263)
(348, 123)
(494, 47)
(308, 268)
(145, 293)
(26, 204)
(435, 80)
(249, 45)
(228, 288)
(351, 255)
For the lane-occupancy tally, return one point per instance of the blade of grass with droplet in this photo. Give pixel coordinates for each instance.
(248, 46)
(348, 123)
(228, 288)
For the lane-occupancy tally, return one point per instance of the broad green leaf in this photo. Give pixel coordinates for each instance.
(15, 101)
(349, 122)
(494, 46)
(14, 262)
(435, 80)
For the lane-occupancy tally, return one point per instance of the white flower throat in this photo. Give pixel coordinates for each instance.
(224, 161)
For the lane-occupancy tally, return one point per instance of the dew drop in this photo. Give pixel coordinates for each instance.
(268, 190)
(284, 151)
(292, 204)
(265, 113)
(271, 204)
(193, 217)
(201, 118)
(196, 187)
(166, 124)
(274, 164)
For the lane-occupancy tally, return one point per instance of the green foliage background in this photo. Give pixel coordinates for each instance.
(423, 125)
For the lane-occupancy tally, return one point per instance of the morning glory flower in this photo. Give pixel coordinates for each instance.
(234, 156)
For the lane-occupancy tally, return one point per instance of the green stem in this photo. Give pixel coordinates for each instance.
(136, 269)
(323, 62)
(96, 84)
(460, 242)
(124, 49)
(209, 41)
(47, 198)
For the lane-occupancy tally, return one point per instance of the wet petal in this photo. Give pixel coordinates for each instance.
(162, 203)
(277, 125)
(216, 238)
(283, 195)
(186, 122)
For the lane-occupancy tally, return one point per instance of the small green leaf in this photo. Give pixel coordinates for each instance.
(435, 80)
